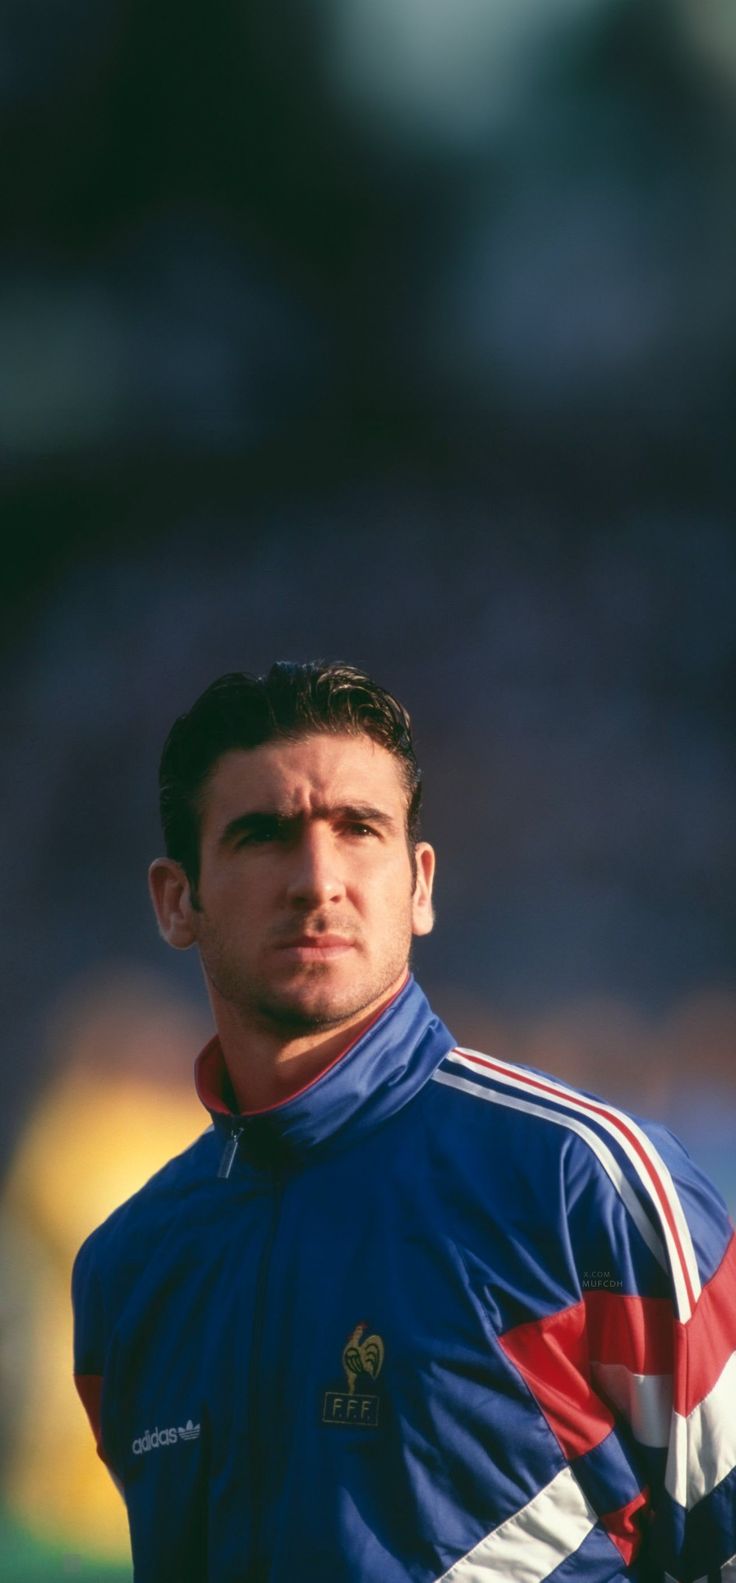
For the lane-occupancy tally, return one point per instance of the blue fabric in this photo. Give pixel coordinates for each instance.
(379, 1217)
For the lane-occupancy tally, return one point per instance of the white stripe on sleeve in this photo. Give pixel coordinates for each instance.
(531, 1544)
(703, 1445)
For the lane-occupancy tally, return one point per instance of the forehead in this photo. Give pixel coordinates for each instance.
(312, 772)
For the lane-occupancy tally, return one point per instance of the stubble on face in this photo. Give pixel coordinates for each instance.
(312, 1002)
(278, 1037)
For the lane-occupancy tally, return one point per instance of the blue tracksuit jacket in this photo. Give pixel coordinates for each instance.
(442, 1318)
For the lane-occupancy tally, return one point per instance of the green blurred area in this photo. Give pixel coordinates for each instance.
(25, 1559)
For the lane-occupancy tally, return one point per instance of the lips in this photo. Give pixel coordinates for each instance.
(315, 947)
(317, 942)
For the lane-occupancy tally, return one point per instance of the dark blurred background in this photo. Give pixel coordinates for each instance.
(400, 331)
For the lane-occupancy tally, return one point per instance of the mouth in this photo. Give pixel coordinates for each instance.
(315, 947)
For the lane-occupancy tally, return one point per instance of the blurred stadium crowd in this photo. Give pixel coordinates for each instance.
(394, 331)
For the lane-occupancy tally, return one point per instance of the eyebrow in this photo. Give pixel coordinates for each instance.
(266, 818)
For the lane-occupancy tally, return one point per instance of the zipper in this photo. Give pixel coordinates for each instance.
(260, 1305)
(256, 1385)
(229, 1152)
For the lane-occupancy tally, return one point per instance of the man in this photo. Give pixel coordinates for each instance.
(405, 1311)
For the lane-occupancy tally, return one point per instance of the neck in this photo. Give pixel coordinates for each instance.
(266, 1068)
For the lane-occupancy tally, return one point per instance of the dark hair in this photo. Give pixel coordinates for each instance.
(291, 701)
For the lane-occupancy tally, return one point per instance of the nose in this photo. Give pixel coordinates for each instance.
(316, 874)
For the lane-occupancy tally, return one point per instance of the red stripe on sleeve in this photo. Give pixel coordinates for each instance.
(707, 1340)
(90, 1391)
(625, 1527)
(552, 1356)
(638, 1332)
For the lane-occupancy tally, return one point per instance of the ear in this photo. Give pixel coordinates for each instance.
(172, 902)
(422, 911)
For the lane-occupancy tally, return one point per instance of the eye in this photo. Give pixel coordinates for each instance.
(361, 830)
(261, 834)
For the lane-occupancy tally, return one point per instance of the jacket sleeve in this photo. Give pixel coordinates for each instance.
(695, 1511)
(89, 1339)
(655, 1358)
(668, 1367)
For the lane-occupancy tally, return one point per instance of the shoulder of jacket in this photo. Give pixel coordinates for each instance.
(141, 1215)
(544, 1106)
(676, 1210)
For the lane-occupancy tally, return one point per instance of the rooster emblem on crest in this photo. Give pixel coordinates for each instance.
(362, 1360)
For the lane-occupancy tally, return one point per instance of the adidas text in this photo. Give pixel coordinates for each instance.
(154, 1438)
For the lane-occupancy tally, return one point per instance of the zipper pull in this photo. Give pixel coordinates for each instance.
(229, 1152)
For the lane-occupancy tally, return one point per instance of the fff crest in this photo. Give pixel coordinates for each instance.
(362, 1361)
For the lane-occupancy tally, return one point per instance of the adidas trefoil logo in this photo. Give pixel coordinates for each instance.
(153, 1439)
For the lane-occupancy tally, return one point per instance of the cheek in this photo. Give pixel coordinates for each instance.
(391, 902)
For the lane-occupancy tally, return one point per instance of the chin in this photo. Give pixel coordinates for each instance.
(313, 1013)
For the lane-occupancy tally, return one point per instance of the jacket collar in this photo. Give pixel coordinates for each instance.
(373, 1077)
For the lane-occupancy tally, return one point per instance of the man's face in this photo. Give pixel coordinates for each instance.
(306, 901)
